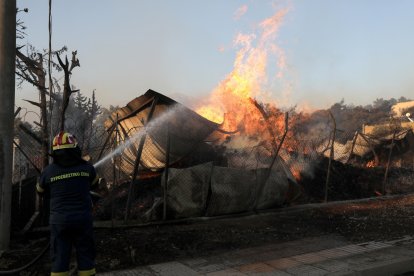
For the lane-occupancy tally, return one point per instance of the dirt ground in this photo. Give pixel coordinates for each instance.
(365, 221)
(379, 218)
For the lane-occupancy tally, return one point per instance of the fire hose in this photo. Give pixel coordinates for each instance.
(26, 266)
(29, 264)
(35, 259)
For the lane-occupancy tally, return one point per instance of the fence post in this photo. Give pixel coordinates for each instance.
(371, 147)
(110, 131)
(388, 162)
(167, 166)
(114, 181)
(352, 148)
(281, 142)
(138, 159)
(331, 156)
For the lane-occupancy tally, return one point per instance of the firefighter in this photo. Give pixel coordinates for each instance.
(68, 181)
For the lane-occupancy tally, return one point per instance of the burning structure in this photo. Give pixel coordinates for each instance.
(222, 158)
(378, 145)
(201, 170)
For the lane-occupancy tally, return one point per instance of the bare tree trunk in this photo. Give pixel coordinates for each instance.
(67, 91)
(36, 69)
(7, 83)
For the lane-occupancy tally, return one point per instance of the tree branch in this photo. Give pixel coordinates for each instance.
(33, 103)
(74, 62)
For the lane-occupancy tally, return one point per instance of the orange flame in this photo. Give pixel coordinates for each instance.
(371, 164)
(232, 97)
(296, 173)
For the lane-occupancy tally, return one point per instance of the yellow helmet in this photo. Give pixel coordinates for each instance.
(64, 140)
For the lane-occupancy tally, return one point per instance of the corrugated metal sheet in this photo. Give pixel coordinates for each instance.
(364, 144)
(185, 127)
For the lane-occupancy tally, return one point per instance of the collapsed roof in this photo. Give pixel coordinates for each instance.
(364, 144)
(157, 120)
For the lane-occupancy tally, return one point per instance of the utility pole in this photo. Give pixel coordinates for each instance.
(7, 83)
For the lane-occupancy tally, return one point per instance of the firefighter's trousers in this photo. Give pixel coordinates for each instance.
(65, 236)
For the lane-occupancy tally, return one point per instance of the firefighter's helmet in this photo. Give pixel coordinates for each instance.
(64, 140)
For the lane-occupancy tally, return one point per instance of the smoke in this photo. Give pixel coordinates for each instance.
(240, 12)
(301, 164)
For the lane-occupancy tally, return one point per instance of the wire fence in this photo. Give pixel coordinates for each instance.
(159, 174)
(27, 154)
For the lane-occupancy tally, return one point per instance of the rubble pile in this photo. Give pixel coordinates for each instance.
(350, 182)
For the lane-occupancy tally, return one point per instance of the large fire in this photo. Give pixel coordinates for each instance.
(230, 103)
(241, 104)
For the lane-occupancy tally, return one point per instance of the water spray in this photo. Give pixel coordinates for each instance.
(156, 122)
(408, 115)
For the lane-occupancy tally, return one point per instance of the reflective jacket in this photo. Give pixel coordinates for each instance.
(70, 200)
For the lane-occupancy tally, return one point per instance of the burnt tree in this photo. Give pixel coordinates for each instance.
(31, 69)
(67, 91)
